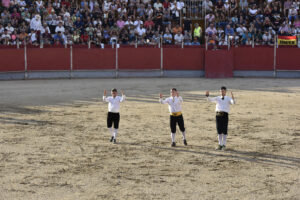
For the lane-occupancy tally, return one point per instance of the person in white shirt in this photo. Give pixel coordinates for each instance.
(175, 101)
(223, 103)
(60, 28)
(113, 116)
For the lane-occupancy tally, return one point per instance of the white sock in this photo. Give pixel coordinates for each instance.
(224, 139)
(183, 135)
(115, 133)
(173, 137)
(220, 139)
(111, 131)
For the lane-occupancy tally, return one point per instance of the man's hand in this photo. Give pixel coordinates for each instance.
(207, 93)
(160, 95)
(232, 95)
(104, 93)
(122, 92)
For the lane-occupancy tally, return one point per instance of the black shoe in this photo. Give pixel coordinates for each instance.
(112, 139)
(219, 147)
(115, 141)
(173, 144)
(223, 147)
(184, 142)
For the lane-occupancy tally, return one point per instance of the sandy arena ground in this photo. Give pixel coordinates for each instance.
(54, 143)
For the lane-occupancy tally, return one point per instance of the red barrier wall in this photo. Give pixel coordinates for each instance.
(219, 64)
(248, 58)
(11, 60)
(216, 62)
(288, 59)
(139, 58)
(48, 59)
(183, 59)
(94, 59)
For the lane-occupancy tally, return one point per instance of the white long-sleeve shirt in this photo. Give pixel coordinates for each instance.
(222, 105)
(114, 103)
(173, 102)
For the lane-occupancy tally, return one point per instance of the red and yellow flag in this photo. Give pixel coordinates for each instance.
(287, 40)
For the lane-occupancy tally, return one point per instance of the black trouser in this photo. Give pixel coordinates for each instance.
(176, 120)
(222, 122)
(113, 118)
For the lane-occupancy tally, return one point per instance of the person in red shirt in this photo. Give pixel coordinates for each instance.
(84, 38)
(149, 23)
(166, 4)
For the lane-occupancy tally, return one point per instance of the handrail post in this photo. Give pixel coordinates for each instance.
(161, 59)
(71, 61)
(117, 57)
(275, 48)
(25, 60)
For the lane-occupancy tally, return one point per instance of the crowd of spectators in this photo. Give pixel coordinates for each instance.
(251, 22)
(95, 21)
(146, 21)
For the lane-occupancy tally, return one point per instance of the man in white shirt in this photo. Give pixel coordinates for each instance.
(223, 103)
(113, 116)
(178, 38)
(60, 28)
(174, 102)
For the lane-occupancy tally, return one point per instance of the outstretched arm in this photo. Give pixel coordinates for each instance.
(211, 99)
(161, 100)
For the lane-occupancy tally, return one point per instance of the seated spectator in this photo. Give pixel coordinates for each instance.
(210, 18)
(293, 13)
(9, 28)
(229, 31)
(156, 38)
(246, 38)
(178, 38)
(59, 38)
(33, 37)
(211, 30)
(267, 38)
(167, 37)
(176, 29)
(140, 30)
(149, 23)
(60, 28)
(5, 37)
(188, 38)
(195, 42)
(47, 37)
(158, 5)
(207, 5)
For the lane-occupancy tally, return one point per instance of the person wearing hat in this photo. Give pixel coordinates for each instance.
(174, 102)
(223, 103)
(113, 116)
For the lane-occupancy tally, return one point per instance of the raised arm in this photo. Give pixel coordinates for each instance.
(179, 97)
(211, 99)
(105, 99)
(232, 101)
(161, 100)
(123, 96)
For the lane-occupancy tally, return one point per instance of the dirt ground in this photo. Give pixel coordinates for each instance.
(54, 143)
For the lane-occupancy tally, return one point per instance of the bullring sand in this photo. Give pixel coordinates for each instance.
(54, 143)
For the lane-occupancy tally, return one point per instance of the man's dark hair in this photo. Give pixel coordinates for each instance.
(114, 90)
(223, 88)
(174, 89)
